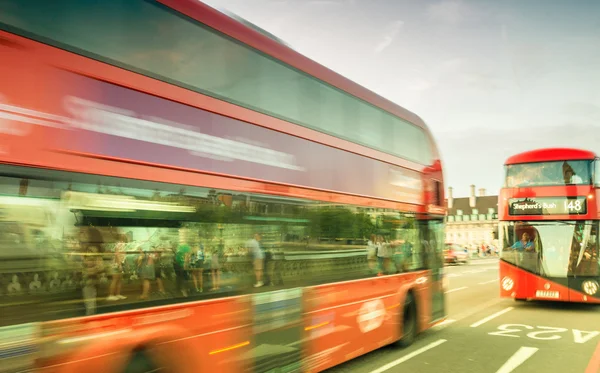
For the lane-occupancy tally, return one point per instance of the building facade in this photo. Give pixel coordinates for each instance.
(472, 221)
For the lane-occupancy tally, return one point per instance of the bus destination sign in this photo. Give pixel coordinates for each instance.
(548, 206)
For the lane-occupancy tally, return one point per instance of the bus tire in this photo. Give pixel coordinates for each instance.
(409, 322)
(140, 362)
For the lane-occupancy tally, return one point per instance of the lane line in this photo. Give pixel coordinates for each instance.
(470, 312)
(517, 359)
(491, 317)
(475, 271)
(594, 364)
(409, 356)
(489, 282)
(444, 323)
(457, 289)
(478, 308)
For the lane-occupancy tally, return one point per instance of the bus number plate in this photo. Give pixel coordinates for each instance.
(547, 294)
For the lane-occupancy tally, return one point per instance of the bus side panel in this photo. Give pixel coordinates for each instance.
(205, 336)
(520, 284)
(345, 320)
(577, 296)
(26, 133)
(511, 281)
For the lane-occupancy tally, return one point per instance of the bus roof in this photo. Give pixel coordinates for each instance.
(258, 40)
(252, 26)
(550, 154)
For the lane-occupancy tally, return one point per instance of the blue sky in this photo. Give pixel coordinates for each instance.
(491, 78)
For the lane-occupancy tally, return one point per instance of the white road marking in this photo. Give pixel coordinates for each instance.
(580, 338)
(409, 356)
(453, 275)
(444, 323)
(491, 317)
(475, 271)
(457, 289)
(517, 359)
(489, 282)
(483, 261)
(480, 307)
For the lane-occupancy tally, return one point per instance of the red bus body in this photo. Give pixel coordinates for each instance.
(560, 217)
(66, 115)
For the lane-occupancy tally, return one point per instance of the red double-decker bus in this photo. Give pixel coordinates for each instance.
(549, 226)
(179, 191)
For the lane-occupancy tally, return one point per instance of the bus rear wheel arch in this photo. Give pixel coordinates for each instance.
(140, 360)
(410, 325)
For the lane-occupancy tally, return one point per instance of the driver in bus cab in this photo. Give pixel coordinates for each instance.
(525, 244)
(571, 177)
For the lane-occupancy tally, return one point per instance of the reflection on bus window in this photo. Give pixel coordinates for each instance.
(548, 173)
(585, 260)
(99, 244)
(558, 248)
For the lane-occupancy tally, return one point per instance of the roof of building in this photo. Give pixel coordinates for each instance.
(482, 204)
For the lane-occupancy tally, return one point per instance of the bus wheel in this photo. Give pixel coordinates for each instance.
(140, 362)
(409, 322)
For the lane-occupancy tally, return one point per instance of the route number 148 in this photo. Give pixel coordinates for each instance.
(573, 205)
(544, 333)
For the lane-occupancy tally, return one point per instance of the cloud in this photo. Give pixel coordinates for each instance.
(583, 109)
(450, 12)
(392, 31)
(451, 65)
(484, 81)
(419, 84)
(504, 33)
(423, 80)
(329, 2)
(529, 62)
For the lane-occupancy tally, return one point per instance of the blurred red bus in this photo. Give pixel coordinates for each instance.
(549, 226)
(145, 143)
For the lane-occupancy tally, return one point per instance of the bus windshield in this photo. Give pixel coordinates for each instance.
(552, 249)
(548, 173)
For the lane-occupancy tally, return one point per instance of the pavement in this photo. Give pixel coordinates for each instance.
(484, 333)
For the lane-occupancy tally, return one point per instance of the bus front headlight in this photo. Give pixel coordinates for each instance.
(590, 287)
(507, 283)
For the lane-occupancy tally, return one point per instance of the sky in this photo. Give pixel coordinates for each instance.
(490, 78)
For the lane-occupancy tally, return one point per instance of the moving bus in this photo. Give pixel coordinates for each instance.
(182, 192)
(549, 226)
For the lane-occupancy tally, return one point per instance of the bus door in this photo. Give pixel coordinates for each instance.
(277, 332)
(584, 264)
(434, 235)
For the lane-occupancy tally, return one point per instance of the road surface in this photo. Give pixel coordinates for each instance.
(484, 333)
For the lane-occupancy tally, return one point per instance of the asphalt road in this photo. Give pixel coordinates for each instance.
(485, 333)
